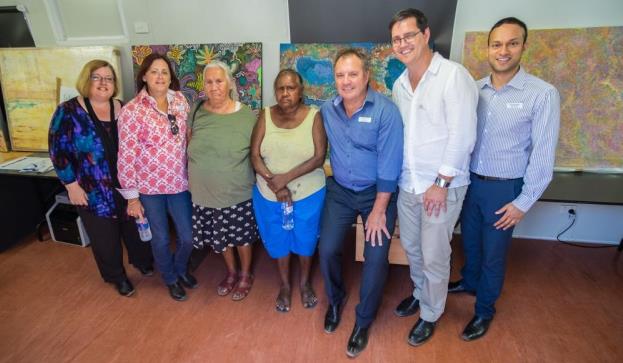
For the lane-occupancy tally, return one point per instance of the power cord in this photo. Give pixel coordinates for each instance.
(573, 217)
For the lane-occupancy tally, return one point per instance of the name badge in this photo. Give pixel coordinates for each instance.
(365, 119)
(514, 105)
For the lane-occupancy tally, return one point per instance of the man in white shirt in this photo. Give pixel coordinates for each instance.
(437, 99)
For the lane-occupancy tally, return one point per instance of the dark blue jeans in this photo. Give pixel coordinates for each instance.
(178, 206)
(486, 247)
(341, 207)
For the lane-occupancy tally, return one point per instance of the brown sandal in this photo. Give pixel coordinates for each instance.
(242, 289)
(227, 285)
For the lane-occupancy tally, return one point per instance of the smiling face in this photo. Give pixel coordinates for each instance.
(102, 84)
(351, 79)
(288, 91)
(506, 45)
(409, 43)
(157, 77)
(215, 85)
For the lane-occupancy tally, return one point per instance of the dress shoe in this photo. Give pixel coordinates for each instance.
(332, 317)
(476, 328)
(125, 287)
(177, 292)
(357, 342)
(421, 332)
(457, 286)
(407, 307)
(146, 270)
(188, 280)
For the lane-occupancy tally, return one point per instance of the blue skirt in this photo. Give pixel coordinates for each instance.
(303, 238)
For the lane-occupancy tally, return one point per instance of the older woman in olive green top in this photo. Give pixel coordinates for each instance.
(221, 177)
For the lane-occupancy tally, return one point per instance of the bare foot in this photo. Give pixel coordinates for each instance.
(308, 297)
(283, 299)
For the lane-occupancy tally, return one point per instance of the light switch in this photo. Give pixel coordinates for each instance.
(141, 27)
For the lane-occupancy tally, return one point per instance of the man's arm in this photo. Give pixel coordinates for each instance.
(389, 165)
(539, 172)
(461, 100)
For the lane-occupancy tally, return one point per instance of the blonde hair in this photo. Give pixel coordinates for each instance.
(233, 90)
(83, 84)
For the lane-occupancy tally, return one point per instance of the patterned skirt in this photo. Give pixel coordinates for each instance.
(221, 228)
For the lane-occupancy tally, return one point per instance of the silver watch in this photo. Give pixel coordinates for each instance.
(442, 183)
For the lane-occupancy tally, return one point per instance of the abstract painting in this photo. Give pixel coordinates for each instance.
(314, 61)
(188, 61)
(585, 66)
(31, 79)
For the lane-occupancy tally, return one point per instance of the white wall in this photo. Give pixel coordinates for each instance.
(181, 21)
(595, 223)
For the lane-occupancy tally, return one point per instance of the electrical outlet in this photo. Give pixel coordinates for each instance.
(565, 208)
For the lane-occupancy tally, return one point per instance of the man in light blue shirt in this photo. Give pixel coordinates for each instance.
(512, 164)
(364, 129)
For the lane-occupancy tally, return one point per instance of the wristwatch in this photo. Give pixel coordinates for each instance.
(442, 183)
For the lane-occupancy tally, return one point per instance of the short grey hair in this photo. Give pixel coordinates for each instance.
(233, 90)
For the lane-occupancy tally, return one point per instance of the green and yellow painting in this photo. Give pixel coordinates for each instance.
(31, 78)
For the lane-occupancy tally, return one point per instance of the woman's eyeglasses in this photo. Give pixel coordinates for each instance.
(174, 128)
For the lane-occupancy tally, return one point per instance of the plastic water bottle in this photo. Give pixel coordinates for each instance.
(143, 229)
(287, 211)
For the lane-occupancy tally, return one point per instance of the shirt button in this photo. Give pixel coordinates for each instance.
(488, 113)
(485, 131)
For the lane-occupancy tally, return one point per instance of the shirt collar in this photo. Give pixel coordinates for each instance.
(518, 81)
(433, 67)
(146, 98)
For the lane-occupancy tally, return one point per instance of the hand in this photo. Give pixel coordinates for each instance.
(277, 182)
(77, 195)
(376, 227)
(512, 215)
(135, 209)
(435, 200)
(284, 195)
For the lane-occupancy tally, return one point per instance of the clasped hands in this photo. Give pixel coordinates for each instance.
(278, 185)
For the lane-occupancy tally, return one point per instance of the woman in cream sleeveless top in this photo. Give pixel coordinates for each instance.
(288, 149)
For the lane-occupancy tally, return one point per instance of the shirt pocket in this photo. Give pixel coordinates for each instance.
(366, 138)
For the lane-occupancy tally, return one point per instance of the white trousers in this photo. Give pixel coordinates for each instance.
(426, 240)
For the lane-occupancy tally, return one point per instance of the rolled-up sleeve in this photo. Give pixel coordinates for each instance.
(128, 152)
(390, 149)
(461, 101)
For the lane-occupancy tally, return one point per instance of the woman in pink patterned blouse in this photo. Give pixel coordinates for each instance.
(152, 167)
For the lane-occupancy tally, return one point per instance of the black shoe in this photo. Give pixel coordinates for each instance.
(125, 287)
(421, 332)
(476, 328)
(357, 342)
(407, 307)
(332, 317)
(457, 287)
(177, 292)
(188, 280)
(146, 270)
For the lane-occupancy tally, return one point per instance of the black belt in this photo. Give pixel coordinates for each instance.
(493, 178)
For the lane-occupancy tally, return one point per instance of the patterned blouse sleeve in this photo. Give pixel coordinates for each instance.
(61, 144)
(128, 151)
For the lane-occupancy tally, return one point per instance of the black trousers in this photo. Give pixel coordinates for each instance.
(105, 235)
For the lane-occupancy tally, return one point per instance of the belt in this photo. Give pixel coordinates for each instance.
(492, 178)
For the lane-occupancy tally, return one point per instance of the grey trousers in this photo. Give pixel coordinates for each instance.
(426, 240)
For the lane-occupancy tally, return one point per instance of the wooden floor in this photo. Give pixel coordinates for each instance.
(560, 304)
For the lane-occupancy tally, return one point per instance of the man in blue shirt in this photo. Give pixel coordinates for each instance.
(512, 164)
(366, 139)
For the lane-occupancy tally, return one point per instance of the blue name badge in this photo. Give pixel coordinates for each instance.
(365, 119)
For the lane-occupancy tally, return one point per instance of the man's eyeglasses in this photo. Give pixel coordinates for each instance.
(174, 128)
(98, 78)
(408, 38)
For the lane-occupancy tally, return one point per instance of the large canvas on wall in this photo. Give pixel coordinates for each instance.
(314, 61)
(188, 60)
(585, 65)
(31, 79)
